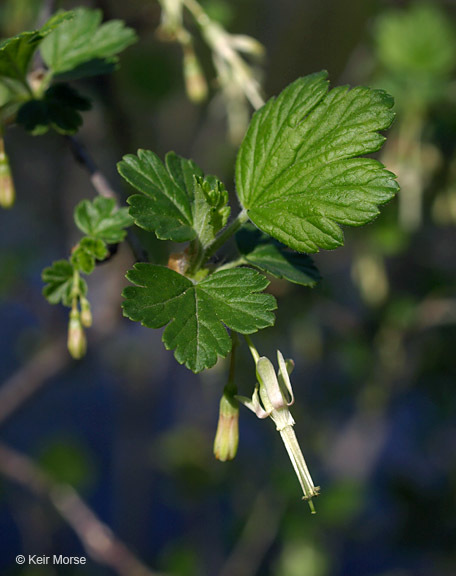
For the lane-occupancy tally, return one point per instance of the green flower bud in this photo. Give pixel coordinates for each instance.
(195, 82)
(227, 436)
(7, 192)
(77, 343)
(86, 313)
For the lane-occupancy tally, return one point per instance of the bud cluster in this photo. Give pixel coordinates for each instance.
(80, 318)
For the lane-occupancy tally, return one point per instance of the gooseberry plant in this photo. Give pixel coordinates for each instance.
(301, 173)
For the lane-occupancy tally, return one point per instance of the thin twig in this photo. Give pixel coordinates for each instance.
(29, 379)
(96, 537)
(98, 179)
(104, 188)
(47, 9)
(259, 533)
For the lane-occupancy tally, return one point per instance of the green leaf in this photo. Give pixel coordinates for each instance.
(16, 52)
(12, 94)
(59, 283)
(297, 173)
(56, 20)
(210, 210)
(419, 41)
(164, 206)
(195, 313)
(263, 252)
(58, 109)
(101, 219)
(87, 252)
(84, 39)
(177, 202)
(96, 67)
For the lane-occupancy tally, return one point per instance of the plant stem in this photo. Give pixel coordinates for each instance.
(229, 231)
(230, 387)
(253, 350)
(96, 537)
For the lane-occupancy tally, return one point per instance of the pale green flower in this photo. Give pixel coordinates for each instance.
(272, 397)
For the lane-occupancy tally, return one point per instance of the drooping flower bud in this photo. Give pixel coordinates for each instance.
(86, 313)
(77, 343)
(7, 191)
(195, 82)
(227, 436)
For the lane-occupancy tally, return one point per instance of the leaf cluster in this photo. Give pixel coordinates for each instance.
(72, 45)
(300, 174)
(103, 224)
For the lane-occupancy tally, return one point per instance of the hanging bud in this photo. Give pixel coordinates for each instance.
(227, 436)
(86, 313)
(195, 82)
(247, 44)
(7, 192)
(77, 343)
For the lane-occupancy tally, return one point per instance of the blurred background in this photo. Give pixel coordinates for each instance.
(374, 341)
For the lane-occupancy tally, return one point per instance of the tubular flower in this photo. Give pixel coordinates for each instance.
(272, 397)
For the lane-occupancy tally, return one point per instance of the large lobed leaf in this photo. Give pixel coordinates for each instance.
(176, 202)
(85, 40)
(297, 171)
(195, 313)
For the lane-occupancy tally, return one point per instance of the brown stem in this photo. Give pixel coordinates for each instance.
(96, 537)
(99, 181)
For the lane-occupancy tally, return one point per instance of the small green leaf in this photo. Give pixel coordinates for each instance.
(101, 219)
(195, 313)
(297, 173)
(87, 252)
(58, 109)
(267, 254)
(177, 202)
(83, 40)
(210, 210)
(16, 52)
(59, 282)
(55, 20)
